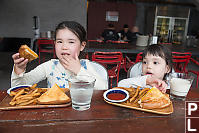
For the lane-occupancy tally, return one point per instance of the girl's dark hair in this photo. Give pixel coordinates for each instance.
(74, 27)
(160, 50)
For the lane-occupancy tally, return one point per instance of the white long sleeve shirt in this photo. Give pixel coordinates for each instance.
(136, 78)
(134, 82)
(56, 73)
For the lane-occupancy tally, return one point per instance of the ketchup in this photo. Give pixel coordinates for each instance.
(116, 96)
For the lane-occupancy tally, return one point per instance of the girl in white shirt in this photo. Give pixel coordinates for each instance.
(70, 40)
(156, 65)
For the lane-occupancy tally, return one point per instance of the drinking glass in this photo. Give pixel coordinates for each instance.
(81, 91)
(180, 84)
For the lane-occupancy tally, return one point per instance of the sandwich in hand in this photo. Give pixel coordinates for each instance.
(54, 95)
(27, 53)
(154, 99)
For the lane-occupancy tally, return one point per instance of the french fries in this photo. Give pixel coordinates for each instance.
(135, 94)
(26, 96)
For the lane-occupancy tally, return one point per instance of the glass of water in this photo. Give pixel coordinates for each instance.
(81, 91)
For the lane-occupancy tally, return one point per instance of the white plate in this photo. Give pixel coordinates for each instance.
(17, 87)
(116, 90)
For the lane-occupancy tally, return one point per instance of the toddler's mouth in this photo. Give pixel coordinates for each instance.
(65, 54)
(148, 73)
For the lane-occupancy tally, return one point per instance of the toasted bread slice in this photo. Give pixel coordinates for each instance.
(154, 98)
(53, 95)
(152, 95)
(26, 52)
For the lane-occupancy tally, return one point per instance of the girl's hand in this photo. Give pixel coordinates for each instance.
(71, 64)
(160, 84)
(20, 63)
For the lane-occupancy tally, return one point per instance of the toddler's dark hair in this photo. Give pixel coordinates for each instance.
(160, 50)
(74, 27)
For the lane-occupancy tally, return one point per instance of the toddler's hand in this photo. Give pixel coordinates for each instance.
(20, 63)
(71, 64)
(160, 84)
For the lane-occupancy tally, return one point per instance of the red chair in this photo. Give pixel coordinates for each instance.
(45, 46)
(195, 71)
(180, 61)
(128, 62)
(112, 62)
(139, 57)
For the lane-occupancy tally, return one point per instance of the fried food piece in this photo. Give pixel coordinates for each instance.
(136, 94)
(26, 52)
(12, 93)
(26, 95)
(18, 102)
(140, 95)
(18, 94)
(144, 90)
(33, 86)
(28, 102)
(12, 103)
(42, 90)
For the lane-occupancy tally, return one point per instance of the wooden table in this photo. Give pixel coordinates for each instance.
(100, 118)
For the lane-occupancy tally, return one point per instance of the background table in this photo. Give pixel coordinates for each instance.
(131, 48)
(100, 118)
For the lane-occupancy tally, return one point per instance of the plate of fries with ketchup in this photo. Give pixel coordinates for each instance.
(144, 99)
